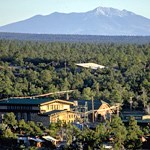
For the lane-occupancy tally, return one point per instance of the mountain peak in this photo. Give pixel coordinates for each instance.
(100, 21)
(108, 11)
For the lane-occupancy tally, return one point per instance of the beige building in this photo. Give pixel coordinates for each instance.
(55, 105)
(51, 110)
(38, 110)
(64, 116)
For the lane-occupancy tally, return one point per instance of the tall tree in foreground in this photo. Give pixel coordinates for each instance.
(134, 134)
(118, 132)
(10, 119)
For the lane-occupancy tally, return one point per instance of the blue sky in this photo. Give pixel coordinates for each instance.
(16, 10)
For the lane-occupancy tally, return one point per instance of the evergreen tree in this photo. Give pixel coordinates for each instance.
(118, 132)
(10, 119)
(134, 134)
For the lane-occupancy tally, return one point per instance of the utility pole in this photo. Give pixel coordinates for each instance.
(65, 68)
(92, 109)
(85, 113)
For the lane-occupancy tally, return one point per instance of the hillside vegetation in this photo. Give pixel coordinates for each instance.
(31, 68)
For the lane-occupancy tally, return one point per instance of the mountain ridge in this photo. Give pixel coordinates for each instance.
(99, 21)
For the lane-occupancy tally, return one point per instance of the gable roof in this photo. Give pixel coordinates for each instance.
(59, 101)
(97, 103)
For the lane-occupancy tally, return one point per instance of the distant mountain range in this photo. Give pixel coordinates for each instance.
(100, 21)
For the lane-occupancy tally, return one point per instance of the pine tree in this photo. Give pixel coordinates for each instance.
(133, 135)
(118, 132)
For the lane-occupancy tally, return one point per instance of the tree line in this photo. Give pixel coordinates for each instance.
(76, 38)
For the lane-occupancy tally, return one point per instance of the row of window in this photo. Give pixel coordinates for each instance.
(25, 116)
(19, 107)
(72, 116)
(54, 107)
(136, 117)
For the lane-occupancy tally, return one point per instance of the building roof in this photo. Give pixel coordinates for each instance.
(24, 101)
(132, 113)
(90, 65)
(49, 138)
(32, 101)
(59, 101)
(56, 112)
(97, 103)
(52, 112)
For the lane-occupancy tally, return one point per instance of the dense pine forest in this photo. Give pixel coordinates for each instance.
(31, 68)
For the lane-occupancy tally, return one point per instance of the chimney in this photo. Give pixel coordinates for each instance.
(76, 103)
(67, 96)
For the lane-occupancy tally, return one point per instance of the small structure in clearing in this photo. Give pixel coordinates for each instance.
(90, 65)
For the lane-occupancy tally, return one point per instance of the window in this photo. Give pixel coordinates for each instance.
(138, 117)
(21, 115)
(28, 117)
(17, 107)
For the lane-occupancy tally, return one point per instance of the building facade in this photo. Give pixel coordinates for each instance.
(51, 110)
(37, 110)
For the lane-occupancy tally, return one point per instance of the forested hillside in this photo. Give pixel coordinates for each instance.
(31, 68)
